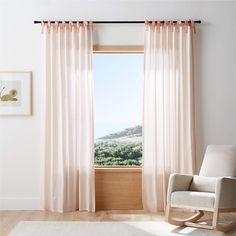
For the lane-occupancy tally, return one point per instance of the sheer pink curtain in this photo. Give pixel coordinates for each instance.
(68, 150)
(168, 109)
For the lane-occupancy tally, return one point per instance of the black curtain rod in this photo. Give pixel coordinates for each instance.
(114, 22)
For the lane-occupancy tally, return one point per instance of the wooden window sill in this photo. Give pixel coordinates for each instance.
(118, 169)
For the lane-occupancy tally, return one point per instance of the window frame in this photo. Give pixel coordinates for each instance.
(118, 49)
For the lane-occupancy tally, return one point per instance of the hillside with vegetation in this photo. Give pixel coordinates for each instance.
(122, 148)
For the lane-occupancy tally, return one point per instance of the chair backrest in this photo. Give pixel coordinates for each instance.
(219, 160)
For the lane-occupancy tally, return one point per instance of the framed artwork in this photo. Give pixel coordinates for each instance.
(15, 93)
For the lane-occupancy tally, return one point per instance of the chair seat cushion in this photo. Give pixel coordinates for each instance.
(203, 184)
(193, 199)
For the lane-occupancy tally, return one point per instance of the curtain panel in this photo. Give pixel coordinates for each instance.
(68, 120)
(168, 109)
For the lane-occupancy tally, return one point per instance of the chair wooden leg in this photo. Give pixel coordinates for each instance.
(215, 218)
(218, 226)
(169, 219)
(181, 222)
(167, 212)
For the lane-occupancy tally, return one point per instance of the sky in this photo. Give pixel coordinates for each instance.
(118, 80)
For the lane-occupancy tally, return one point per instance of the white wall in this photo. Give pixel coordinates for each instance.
(21, 49)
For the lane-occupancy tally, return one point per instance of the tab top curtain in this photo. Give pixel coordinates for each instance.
(168, 108)
(68, 147)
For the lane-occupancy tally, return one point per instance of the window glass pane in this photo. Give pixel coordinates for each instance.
(117, 109)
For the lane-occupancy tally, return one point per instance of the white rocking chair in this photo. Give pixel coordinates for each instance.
(214, 189)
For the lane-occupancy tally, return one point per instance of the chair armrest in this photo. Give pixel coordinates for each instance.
(178, 182)
(225, 192)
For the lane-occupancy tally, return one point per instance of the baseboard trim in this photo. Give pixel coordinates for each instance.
(14, 204)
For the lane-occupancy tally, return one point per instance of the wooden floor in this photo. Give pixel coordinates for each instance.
(8, 219)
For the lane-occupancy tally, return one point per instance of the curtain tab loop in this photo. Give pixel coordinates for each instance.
(49, 26)
(42, 27)
(63, 25)
(77, 25)
(56, 26)
(85, 23)
(186, 26)
(178, 24)
(193, 26)
(166, 24)
(90, 23)
(70, 25)
(171, 25)
(146, 25)
(153, 24)
(158, 25)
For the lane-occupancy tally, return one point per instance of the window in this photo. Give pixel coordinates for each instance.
(117, 106)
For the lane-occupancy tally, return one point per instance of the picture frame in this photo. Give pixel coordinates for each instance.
(15, 93)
